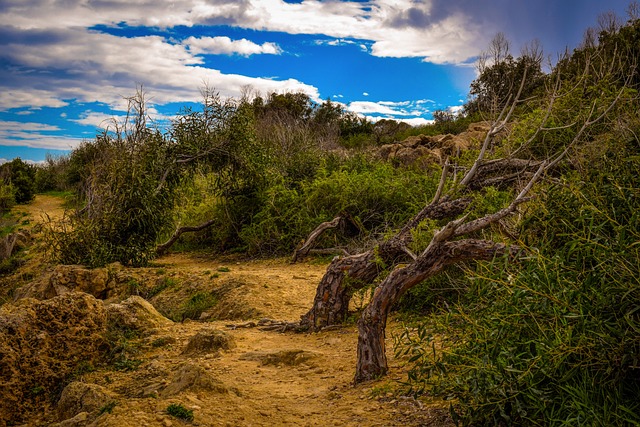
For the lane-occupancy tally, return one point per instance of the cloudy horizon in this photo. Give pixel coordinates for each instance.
(67, 66)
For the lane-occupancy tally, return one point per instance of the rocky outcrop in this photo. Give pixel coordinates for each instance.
(136, 314)
(78, 398)
(42, 343)
(69, 278)
(424, 150)
(209, 341)
(189, 376)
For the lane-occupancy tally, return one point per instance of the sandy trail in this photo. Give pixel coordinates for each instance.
(318, 391)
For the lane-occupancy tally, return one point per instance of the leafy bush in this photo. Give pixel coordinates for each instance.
(374, 195)
(7, 197)
(20, 176)
(554, 340)
(179, 411)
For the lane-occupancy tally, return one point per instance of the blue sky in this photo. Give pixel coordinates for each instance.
(66, 65)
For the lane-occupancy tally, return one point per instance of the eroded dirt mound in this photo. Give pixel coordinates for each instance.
(41, 343)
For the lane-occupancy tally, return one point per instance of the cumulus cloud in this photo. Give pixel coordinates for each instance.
(34, 135)
(99, 67)
(226, 46)
(396, 28)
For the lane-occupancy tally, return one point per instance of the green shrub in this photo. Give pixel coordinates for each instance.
(554, 339)
(197, 304)
(179, 411)
(7, 197)
(21, 177)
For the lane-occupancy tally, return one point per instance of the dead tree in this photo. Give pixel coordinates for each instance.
(442, 251)
(331, 303)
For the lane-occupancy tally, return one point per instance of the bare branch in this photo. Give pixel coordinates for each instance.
(313, 236)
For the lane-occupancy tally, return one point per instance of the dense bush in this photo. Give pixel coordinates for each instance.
(554, 340)
(375, 197)
(21, 177)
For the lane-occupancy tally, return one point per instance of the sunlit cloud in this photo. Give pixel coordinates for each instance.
(226, 46)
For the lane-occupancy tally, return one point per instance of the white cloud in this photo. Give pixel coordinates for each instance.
(11, 126)
(226, 46)
(396, 28)
(365, 94)
(368, 107)
(106, 68)
(32, 134)
(96, 119)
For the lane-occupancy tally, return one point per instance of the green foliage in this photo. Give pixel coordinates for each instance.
(107, 408)
(7, 197)
(20, 176)
(502, 76)
(179, 411)
(374, 195)
(555, 339)
(196, 305)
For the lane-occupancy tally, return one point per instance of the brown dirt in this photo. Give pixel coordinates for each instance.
(269, 378)
(41, 206)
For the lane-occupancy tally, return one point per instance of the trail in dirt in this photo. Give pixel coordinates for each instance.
(41, 206)
(309, 382)
(313, 389)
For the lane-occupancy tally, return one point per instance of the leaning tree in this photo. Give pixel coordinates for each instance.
(458, 241)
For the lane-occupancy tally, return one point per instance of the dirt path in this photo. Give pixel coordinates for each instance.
(309, 382)
(313, 387)
(40, 206)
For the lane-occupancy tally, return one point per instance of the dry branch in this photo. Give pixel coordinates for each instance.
(161, 249)
(303, 250)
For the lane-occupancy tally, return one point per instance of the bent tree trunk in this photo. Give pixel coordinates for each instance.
(346, 275)
(372, 359)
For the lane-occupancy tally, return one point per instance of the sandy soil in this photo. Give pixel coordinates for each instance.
(317, 391)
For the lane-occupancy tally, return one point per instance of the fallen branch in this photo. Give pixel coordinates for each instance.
(315, 234)
(161, 249)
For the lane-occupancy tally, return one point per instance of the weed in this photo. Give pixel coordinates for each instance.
(224, 269)
(107, 408)
(179, 411)
(197, 304)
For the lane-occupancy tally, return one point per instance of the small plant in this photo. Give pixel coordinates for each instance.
(37, 390)
(224, 269)
(179, 411)
(161, 285)
(107, 408)
(162, 341)
(197, 304)
(381, 390)
(134, 287)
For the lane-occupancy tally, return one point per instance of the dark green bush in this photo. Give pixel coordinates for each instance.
(21, 177)
(376, 196)
(179, 411)
(554, 339)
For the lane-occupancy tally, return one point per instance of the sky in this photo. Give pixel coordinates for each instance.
(67, 66)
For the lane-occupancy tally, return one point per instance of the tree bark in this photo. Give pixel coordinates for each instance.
(371, 355)
(331, 303)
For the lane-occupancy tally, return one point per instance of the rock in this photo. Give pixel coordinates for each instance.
(41, 343)
(79, 420)
(191, 377)
(78, 397)
(136, 314)
(278, 358)
(68, 278)
(209, 341)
